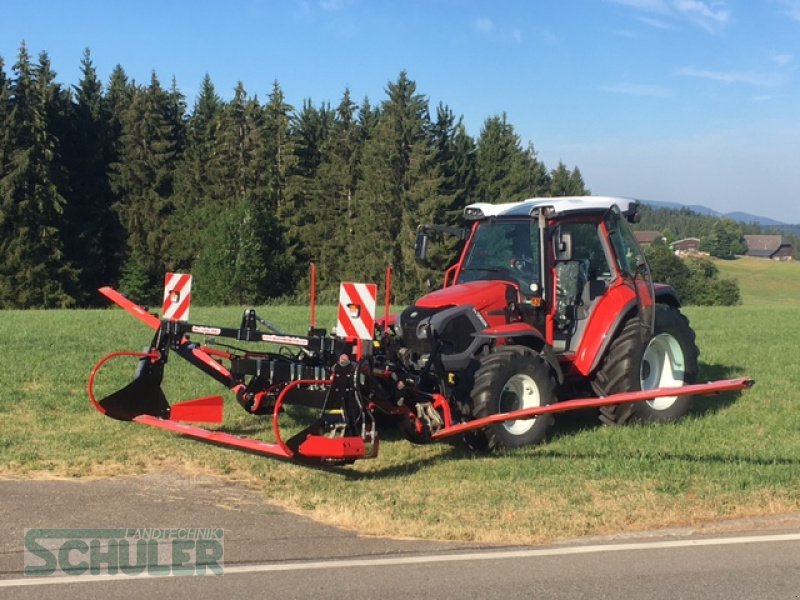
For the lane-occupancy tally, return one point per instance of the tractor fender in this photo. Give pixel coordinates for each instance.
(608, 323)
(666, 294)
(523, 334)
(604, 322)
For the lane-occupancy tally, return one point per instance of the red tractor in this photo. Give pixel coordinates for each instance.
(550, 307)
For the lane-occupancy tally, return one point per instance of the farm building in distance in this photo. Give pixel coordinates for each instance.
(686, 246)
(768, 246)
(645, 238)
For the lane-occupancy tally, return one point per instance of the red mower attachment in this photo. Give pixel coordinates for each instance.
(264, 383)
(435, 372)
(142, 401)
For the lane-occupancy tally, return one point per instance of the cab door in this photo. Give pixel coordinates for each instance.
(633, 267)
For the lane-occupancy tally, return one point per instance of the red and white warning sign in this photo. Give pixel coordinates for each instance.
(177, 296)
(356, 310)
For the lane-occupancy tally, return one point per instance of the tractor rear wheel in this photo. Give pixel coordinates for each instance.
(512, 378)
(668, 359)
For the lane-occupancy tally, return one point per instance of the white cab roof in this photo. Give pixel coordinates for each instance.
(560, 205)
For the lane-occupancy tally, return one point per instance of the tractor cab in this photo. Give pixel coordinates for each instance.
(567, 264)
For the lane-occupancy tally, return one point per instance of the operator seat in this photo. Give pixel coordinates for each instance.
(571, 276)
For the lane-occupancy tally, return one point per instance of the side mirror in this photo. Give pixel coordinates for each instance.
(421, 246)
(564, 247)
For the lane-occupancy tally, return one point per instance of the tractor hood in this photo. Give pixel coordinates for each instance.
(483, 295)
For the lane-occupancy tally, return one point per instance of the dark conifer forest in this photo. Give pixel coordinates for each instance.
(117, 182)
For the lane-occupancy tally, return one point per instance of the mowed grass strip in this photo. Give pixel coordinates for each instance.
(734, 456)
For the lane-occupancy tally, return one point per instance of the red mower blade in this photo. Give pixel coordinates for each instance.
(317, 446)
(200, 410)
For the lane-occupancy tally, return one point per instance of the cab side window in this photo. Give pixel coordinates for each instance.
(625, 247)
(587, 248)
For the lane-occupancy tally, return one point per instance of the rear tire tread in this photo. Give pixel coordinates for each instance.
(619, 371)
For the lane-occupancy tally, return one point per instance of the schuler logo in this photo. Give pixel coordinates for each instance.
(125, 551)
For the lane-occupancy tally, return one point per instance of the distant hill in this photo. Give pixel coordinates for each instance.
(784, 229)
(744, 217)
(741, 217)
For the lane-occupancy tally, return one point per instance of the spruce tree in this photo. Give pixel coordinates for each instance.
(454, 161)
(502, 165)
(235, 147)
(564, 182)
(338, 177)
(399, 188)
(455, 153)
(225, 175)
(93, 229)
(242, 260)
(368, 118)
(118, 98)
(275, 164)
(33, 269)
(4, 105)
(578, 185)
(560, 184)
(276, 152)
(303, 199)
(198, 192)
(143, 177)
(535, 176)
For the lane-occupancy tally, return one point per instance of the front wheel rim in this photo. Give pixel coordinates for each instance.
(663, 366)
(519, 392)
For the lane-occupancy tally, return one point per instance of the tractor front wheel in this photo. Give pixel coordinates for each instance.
(512, 378)
(668, 359)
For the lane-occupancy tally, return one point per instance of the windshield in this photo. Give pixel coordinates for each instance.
(504, 250)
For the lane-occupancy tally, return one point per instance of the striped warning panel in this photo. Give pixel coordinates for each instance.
(177, 296)
(356, 317)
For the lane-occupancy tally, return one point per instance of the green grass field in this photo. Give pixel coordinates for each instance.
(734, 456)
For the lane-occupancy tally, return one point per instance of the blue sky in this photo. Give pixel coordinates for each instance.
(691, 101)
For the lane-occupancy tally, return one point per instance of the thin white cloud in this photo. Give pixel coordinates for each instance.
(781, 60)
(549, 38)
(487, 27)
(716, 10)
(730, 77)
(638, 89)
(655, 23)
(483, 25)
(763, 98)
(626, 33)
(334, 5)
(710, 15)
(790, 8)
(656, 6)
(302, 9)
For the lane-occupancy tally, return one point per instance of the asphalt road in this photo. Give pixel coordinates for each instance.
(270, 553)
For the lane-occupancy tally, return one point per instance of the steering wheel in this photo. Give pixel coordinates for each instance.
(523, 264)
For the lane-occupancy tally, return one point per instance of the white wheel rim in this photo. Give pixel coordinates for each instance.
(518, 393)
(663, 366)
